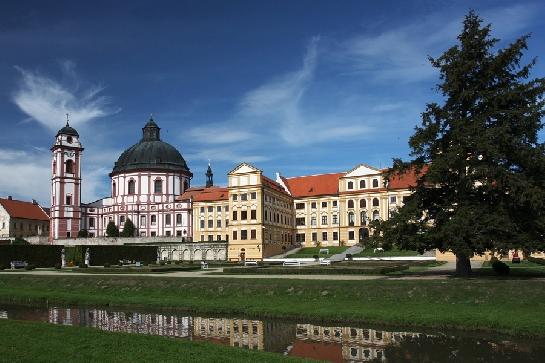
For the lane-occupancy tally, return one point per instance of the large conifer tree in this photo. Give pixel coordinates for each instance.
(481, 184)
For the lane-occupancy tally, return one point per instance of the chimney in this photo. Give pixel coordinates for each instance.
(10, 197)
(34, 202)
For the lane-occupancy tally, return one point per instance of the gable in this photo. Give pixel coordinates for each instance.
(244, 168)
(362, 170)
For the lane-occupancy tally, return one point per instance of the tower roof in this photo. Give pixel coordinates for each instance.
(68, 130)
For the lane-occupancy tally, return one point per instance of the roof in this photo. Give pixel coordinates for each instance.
(68, 130)
(272, 184)
(313, 185)
(201, 194)
(405, 180)
(23, 210)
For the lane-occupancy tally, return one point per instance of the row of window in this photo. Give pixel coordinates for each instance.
(211, 223)
(244, 234)
(244, 196)
(314, 204)
(143, 219)
(363, 203)
(22, 226)
(157, 187)
(302, 220)
(350, 184)
(277, 218)
(211, 237)
(244, 215)
(218, 209)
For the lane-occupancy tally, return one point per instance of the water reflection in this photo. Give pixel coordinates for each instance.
(331, 343)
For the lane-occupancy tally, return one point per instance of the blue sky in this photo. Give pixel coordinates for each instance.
(299, 87)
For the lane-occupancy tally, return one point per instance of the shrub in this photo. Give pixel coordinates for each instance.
(2, 267)
(82, 265)
(349, 256)
(107, 264)
(500, 267)
(169, 262)
(20, 241)
(30, 267)
(177, 262)
(83, 233)
(112, 230)
(316, 257)
(128, 229)
(58, 266)
(162, 263)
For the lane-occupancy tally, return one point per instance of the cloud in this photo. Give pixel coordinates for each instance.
(47, 100)
(225, 155)
(221, 134)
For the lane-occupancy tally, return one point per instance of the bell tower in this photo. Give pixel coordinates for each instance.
(65, 215)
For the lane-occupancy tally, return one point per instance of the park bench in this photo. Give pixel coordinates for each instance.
(325, 262)
(378, 249)
(18, 264)
(204, 265)
(323, 250)
(250, 263)
(291, 263)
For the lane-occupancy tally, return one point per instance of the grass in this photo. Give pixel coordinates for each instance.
(41, 342)
(394, 252)
(309, 252)
(134, 270)
(523, 269)
(510, 306)
(343, 268)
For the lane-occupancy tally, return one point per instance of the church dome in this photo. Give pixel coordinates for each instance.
(150, 154)
(68, 130)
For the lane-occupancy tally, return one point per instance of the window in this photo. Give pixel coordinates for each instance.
(226, 222)
(300, 237)
(334, 203)
(375, 183)
(300, 206)
(253, 214)
(324, 220)
(351, 235)
(300, 221)
(335, 219)
(314, 236)
(363, 218)
(313, 205)
(68, 200)
(362, 184)
(158, 187)
(69, 167)
(210, 223)
(69, 139)
(235, 215)
(201, 224)
(375, 202)
(202, 237)
(218, 209)
(226, 208)
(210, 209)
(335, 236)
(324, 236)
(202, 209)
(178, 233)
(313, 221)
(253, 234)
(210, 238)
(243, 215)
(350, 185)
(253, 195)
(91, 222)
(393, 199)
(244, 234)
(186, 185)
(235, 197)
(376, 215)
(178, 219)
(153, 220)
(218, 237)
(113, 190)
(131, 186)
(244, 197)
(363, 203)
(351, 218)
(122, 220)
(168, 233)
(218, 223)
(67, 234)
(324, 204)
(234, 235)
(168, 219)
(350, 203)
(153, 233)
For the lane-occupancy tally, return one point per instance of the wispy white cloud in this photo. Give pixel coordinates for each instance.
(219, 134)
(225, 154)
(47, 100)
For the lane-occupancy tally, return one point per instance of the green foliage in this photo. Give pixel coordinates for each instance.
(113, 254)
(20, 241)
(479, 162)
(38, 255)
(128, 229)
(58, 266)
(500, 267)
(112, 230)
(83, 233)
(30, 267)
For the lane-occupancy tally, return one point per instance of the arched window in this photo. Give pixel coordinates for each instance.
(158, 186)
(350, 185)
(362, 184)
(113, 190)
(376, 215)
(363, 218)
(375, 183)
(350, 218)
(350, 203)
(54, 167)
(363, 203)
(69, 167)
(375, 202)
(132, 187)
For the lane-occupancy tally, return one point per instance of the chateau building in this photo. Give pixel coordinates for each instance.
(22, 219)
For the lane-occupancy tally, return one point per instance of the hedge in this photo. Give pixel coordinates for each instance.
(37, 255)
(112, 254)
(375, 270)
(539, 261)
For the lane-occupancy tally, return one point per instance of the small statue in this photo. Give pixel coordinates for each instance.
(87, 257)
(63, 258)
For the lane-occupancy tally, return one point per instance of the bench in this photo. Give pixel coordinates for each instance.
(325, 262)
(250, 263)
(204, 265)
(18, 264)
(323, 250)
(291, 263)
(378, 249)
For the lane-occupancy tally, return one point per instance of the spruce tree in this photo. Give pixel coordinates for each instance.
(112, 230)
(480, 165)
(128, 229)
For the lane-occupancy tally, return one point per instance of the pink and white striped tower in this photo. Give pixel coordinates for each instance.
(65, 215)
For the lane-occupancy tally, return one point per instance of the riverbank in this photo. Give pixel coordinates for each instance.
(510, 306)
(24, 342)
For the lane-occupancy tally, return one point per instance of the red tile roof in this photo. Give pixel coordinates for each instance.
(272, 184)
(23, 210)
(405, 180)
(313, 185)
(205, 194)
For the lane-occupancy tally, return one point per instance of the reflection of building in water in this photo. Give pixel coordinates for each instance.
(234, 332)
(152, 324)
(353, 344)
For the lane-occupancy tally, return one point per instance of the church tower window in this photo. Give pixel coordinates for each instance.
(158, 186)
(69, 169)
(132, 186)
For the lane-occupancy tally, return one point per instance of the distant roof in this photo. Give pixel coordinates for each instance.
(272, 184)
(202, 194)
(405, 180)
(313, 185)
(23, 210)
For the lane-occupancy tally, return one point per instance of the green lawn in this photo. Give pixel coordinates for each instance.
(487, 304)
(309, 252)
(40, 342)
(394, 252)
